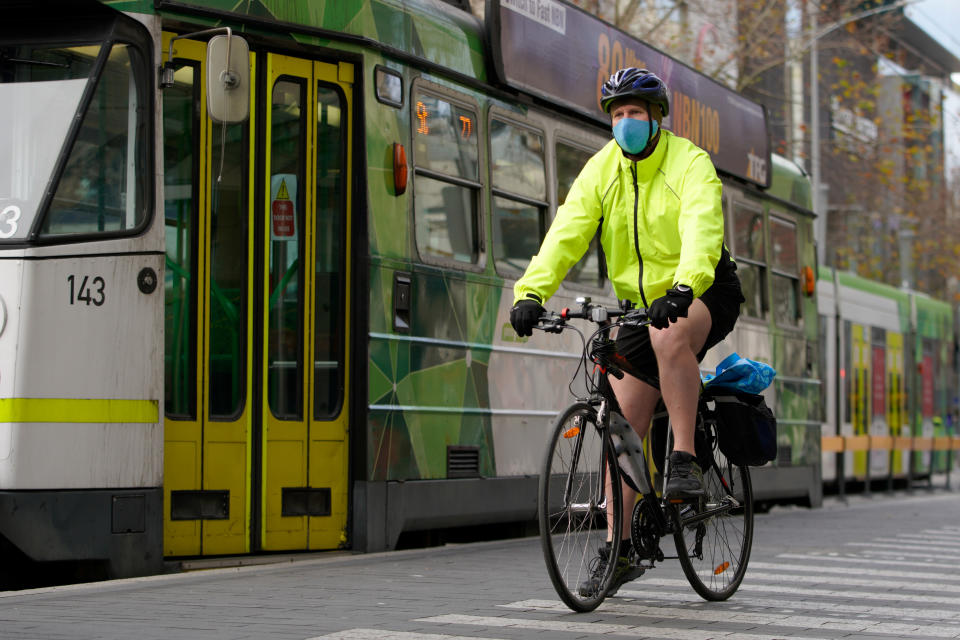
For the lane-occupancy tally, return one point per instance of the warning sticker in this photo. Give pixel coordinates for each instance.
(283, 206)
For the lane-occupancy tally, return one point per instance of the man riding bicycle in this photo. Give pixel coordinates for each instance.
(658, 201)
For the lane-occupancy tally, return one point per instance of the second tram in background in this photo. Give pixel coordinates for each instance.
(889, 374)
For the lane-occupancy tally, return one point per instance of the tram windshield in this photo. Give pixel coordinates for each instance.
(87, 160)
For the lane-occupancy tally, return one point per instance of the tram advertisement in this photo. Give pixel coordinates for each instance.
(554, 50)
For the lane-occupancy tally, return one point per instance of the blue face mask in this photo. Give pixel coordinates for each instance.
(633, 135)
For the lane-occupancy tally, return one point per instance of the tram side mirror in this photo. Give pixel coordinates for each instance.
(228, 79)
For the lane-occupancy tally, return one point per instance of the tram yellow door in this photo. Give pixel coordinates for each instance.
(208, 365)
(256, 297)
(306, 301)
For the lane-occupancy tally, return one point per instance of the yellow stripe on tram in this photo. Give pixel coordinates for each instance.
(78, 410)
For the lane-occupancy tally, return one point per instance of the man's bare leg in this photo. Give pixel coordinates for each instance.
(637, 401)
(676, 348)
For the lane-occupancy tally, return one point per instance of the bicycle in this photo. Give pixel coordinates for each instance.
(579, 498)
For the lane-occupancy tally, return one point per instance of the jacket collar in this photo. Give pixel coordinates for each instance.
(647, 167)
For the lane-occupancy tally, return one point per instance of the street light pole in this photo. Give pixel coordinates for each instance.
(820, 234)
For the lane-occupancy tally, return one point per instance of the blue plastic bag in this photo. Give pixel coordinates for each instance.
(741, 374)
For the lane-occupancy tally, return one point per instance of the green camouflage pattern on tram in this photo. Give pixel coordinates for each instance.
(449, 384)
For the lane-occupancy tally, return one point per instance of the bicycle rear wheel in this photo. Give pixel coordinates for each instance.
(578, 481)
(714, 536)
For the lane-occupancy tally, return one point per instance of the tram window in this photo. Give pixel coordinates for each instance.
(329, 285)
(446, 137)
(518, 172)
(103, 185)
(783, 245)
(591, 268)
(786, 271)
(228, 272)
(822, 365)
(749, 251)
(180, 124)
(38, 103)
(446, 183)
(847, 373)
(516, 160)
(285, 330)
(517, 232)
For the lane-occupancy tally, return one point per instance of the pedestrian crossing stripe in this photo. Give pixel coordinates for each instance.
(945, 539)
(878, 544)
(605, 628)
(855, 582)
(884, 573)
(835, 557)
(734, 606)
(909, 554)
(380, 634)
(749, 584)
(859, 625)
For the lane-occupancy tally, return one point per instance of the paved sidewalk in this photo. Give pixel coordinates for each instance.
(884, 566)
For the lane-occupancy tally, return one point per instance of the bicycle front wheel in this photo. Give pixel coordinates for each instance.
(579, 496)
(714, 536)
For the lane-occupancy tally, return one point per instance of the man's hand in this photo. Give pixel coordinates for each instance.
(671, 306)
(524, 316)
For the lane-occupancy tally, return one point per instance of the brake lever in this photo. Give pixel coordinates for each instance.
(635, 318)
(551, 323)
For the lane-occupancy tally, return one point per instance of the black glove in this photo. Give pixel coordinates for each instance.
(525, 315)
(671, 306)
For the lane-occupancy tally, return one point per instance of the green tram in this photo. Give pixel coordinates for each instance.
(254, 291)
(889, 369)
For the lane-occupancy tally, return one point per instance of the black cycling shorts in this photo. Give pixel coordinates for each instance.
(722, 299)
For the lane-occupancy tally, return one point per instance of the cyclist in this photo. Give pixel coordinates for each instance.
(657, 200)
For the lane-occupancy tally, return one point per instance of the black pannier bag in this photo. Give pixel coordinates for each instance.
(746, 427)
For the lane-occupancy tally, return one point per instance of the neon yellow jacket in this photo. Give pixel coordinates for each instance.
(678, 213)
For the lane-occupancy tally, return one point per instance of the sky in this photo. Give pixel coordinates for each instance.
(940, 19)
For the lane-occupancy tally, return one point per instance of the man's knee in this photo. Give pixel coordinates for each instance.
(672, 341)
(686, 335)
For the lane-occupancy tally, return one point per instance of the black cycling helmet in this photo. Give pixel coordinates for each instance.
(635, 83)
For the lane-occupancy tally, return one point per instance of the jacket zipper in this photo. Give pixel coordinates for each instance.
(636, 235)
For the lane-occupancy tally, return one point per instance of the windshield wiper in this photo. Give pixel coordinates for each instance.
(40, 63)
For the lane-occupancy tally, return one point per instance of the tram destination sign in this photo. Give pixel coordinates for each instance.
(554, 50)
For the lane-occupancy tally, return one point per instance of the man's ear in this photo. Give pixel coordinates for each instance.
(657, 113)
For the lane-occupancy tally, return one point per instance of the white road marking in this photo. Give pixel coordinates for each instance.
(832, 580)
(903, 613)
(860, 571)
(382, 634)
(921, 543)
(879, 561)
(908, 554)
(603, 628)
(949, 539)
(900, 545)
(749, 585)
(861, 625)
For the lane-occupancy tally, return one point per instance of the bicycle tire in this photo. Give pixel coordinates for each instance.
(572, 506)
(714, 551)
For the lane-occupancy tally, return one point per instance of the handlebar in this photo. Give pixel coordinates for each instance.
(554, 322)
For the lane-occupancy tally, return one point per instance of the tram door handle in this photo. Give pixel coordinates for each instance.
(402, 291)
